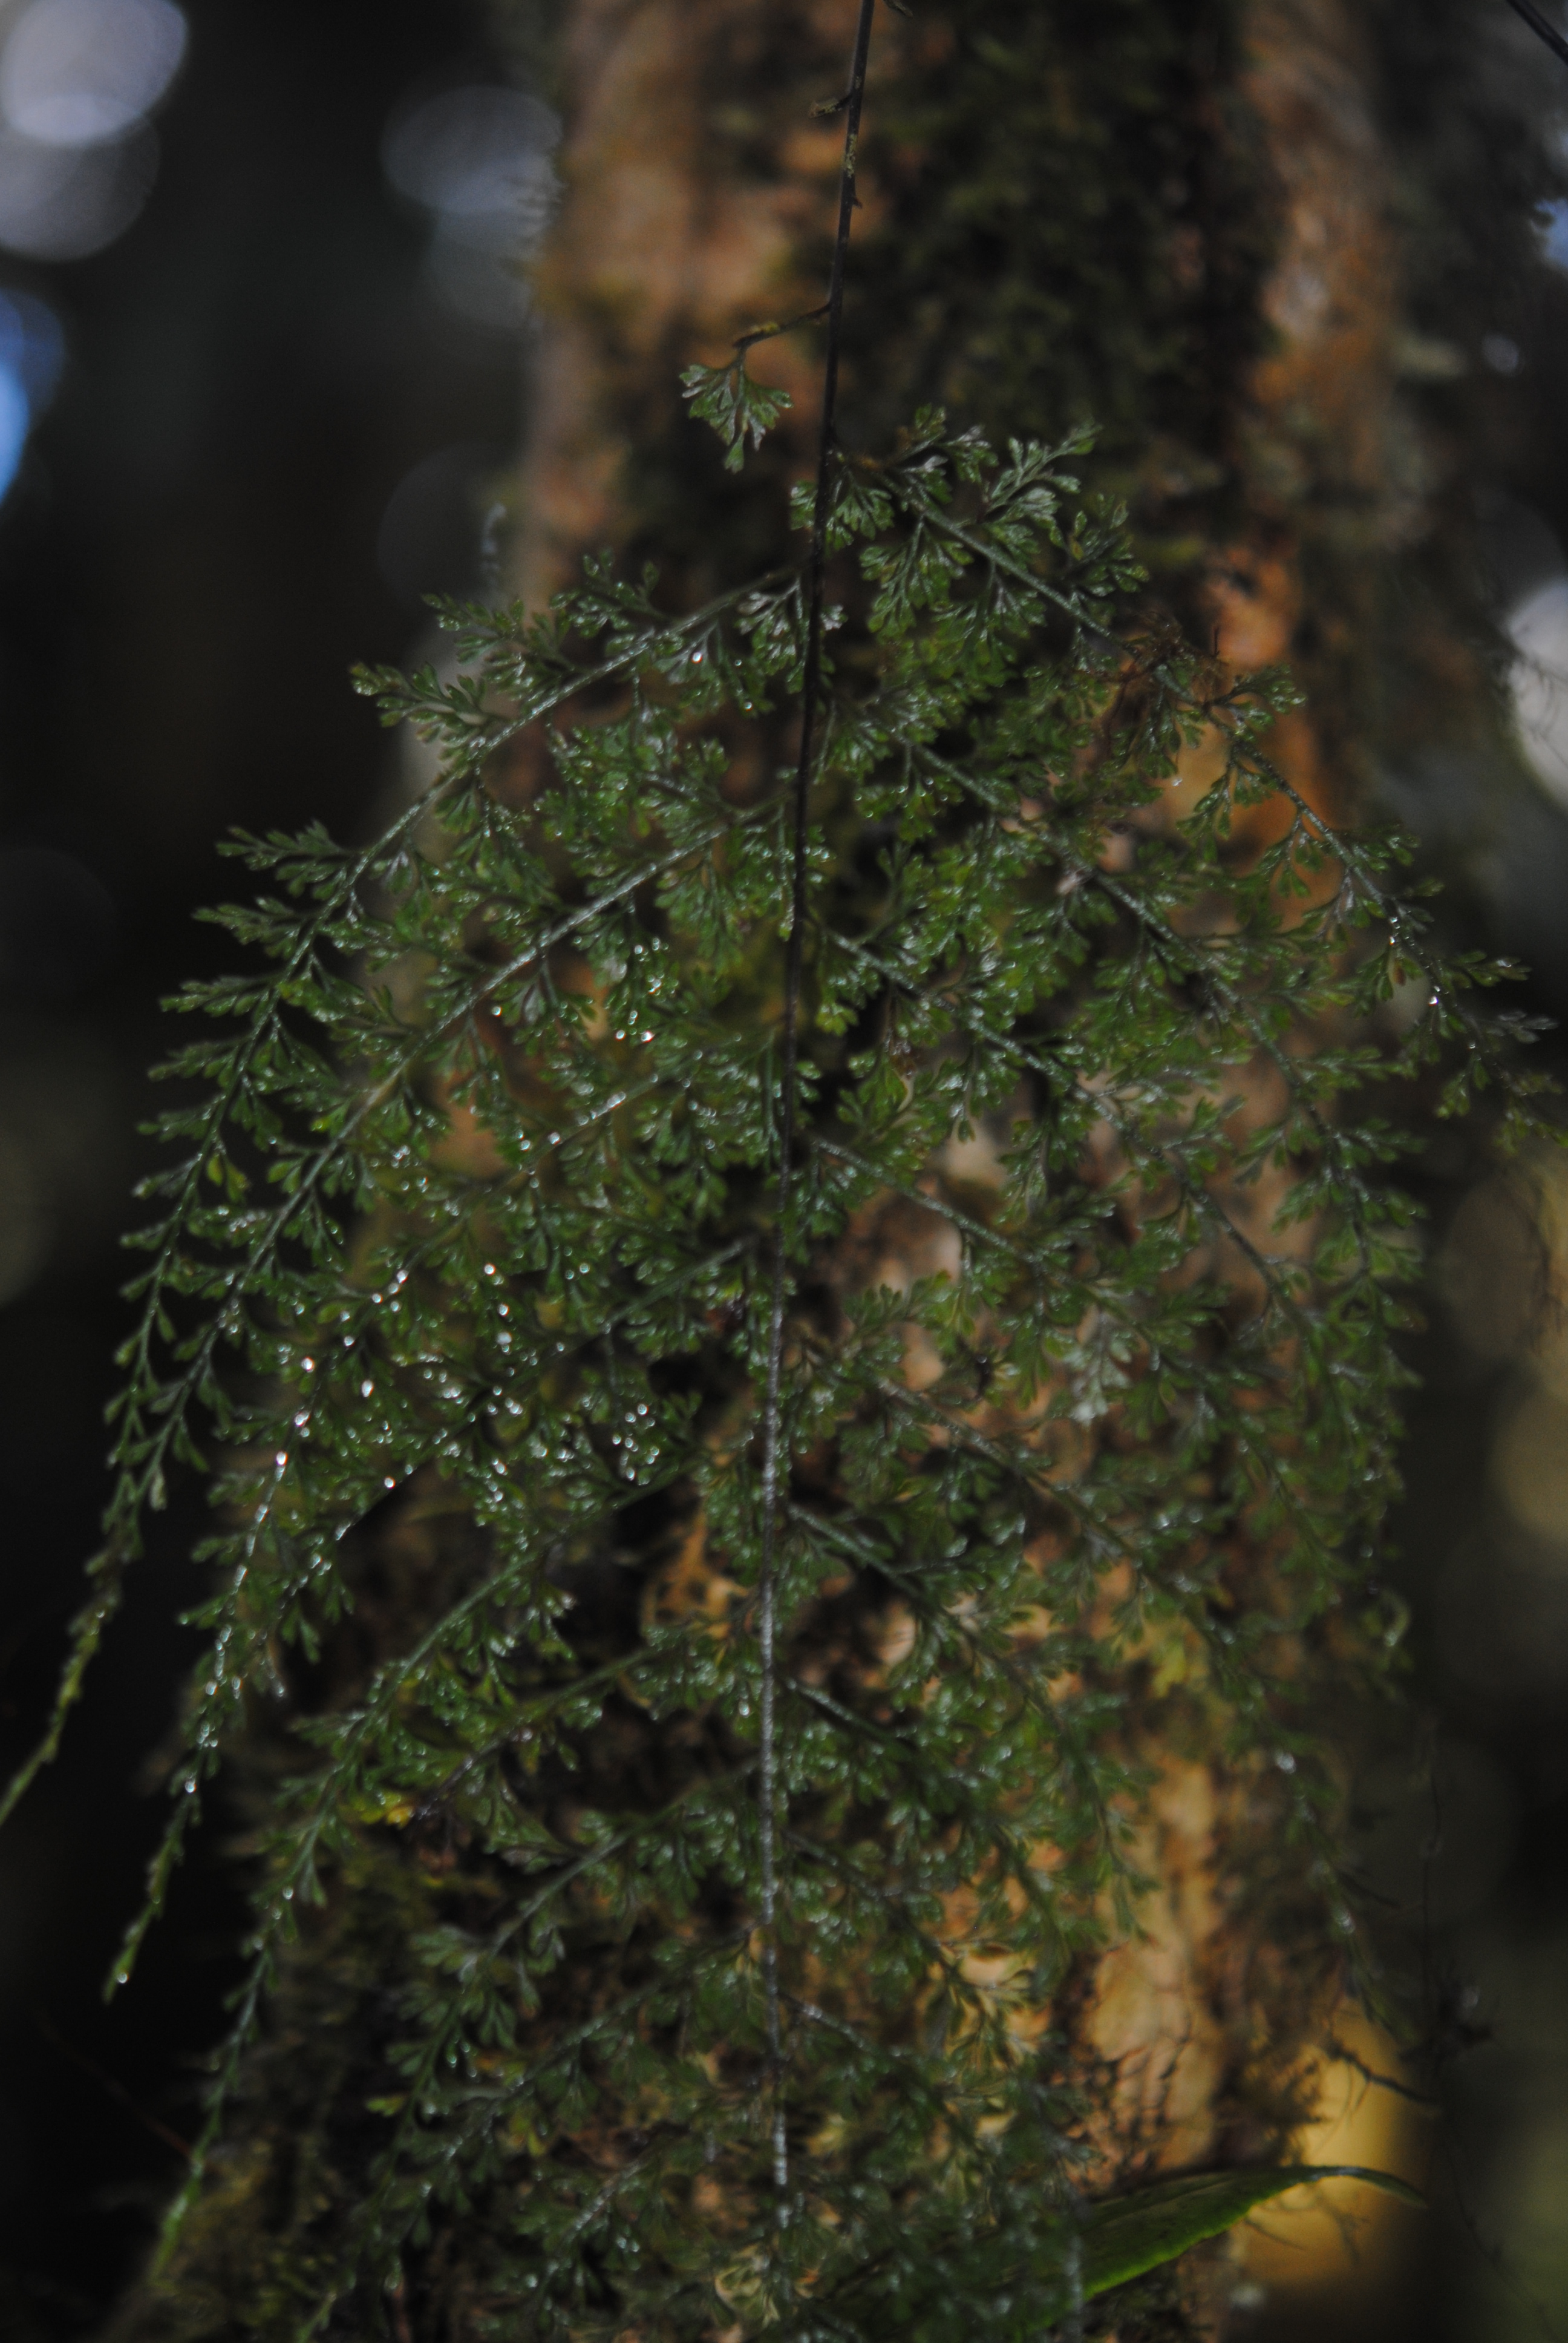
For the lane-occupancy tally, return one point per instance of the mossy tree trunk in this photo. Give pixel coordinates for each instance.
(1218, 230)
(1211, 227)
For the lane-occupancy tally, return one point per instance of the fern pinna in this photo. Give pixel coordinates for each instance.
(753, 1767)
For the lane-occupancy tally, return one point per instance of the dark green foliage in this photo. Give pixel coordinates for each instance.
(734, 403)
(1131, 1422)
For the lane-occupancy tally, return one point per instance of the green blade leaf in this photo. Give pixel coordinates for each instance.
(1129, 2235)
(1020, 2291)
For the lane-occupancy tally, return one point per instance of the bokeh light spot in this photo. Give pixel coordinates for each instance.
(431, 537)
(14, 417)
(1539, 683)
(65, 202)
(32, 345)
(1553, 224)
(478, 161)
(76, 73)
(1530, 1461)
(32, 354)
(480, 155)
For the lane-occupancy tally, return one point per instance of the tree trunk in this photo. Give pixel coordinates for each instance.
(1184, 224)
(1190, 222)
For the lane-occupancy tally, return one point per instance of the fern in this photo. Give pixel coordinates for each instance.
(740, 1912)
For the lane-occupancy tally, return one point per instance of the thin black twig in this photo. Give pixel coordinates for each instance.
(1347, 2057)
(790, 1047)
(1541, 27)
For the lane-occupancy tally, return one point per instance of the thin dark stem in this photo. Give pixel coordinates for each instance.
(766, 1624)
(770, 332)
(1540, 26)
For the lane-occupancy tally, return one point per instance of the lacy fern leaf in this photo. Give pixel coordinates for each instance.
(820, 1224)
(482, 1198)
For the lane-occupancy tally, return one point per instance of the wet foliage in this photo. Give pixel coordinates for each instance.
(1089, 1383)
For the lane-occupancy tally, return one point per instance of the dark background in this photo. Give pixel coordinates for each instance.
(188, 566)
(197, 548)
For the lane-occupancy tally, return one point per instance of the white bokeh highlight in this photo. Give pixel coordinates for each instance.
(1538, 682)
(85, 71)
(79, 72)
(79, 80)
(477, 160)
(66, 203)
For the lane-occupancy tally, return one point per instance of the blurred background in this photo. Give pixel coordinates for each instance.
(259, 366)
(262, 356)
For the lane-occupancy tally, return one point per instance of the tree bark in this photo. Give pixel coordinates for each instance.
(1184, 220)
(1261, 445)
